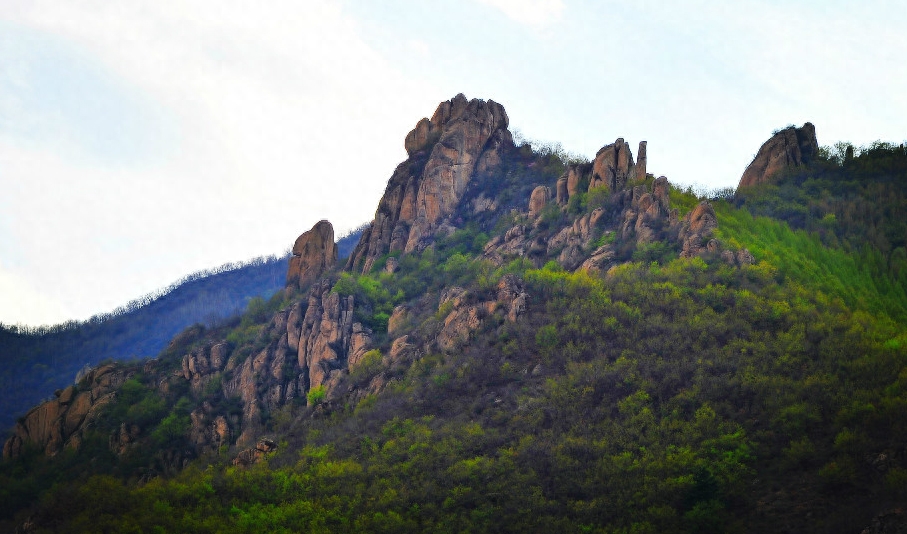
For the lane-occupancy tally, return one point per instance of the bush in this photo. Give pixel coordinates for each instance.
(316, 395)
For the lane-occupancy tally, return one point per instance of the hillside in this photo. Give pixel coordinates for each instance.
(38, 361)
(521, 341)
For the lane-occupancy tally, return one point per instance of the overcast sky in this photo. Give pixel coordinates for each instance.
(144, 140)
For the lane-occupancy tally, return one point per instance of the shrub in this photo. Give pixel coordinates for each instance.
(316, 395)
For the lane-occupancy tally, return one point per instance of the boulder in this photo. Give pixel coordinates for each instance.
(538, 200)
(313, 253)
(612, 166)
(786, 149)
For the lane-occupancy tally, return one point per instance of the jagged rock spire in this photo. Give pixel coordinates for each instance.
(463, 137)
(313, 253)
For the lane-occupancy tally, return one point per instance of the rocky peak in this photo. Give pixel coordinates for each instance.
(463, 137)
(787, 148)
(612, 166)
(60, 422)
(313, 253)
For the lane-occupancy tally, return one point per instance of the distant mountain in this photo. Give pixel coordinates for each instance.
(36, 361)
(524, 341)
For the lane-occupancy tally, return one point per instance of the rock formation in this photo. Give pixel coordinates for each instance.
(697, 229)
(463, 137)
(538, 200)
(641, 161)
(313, 253)
(465, 315)
(788, 148)
(612, 166)
(60, 422)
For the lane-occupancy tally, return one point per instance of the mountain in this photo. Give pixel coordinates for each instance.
(38, 361)
(524, 341)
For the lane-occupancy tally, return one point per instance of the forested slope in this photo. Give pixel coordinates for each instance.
(619, 356)
(36, 361)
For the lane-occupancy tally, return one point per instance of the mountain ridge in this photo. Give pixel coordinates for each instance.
(573, 335)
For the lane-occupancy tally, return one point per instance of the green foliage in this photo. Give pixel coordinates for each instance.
(316, 395)
(670, 395)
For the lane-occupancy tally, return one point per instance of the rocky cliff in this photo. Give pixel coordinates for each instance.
(61, 421)
(788, 148)
(462, 138)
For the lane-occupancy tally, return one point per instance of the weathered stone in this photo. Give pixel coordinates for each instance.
(696, 229)
(255, 454)
(787, 148)
(399, 317)
(538, 200)
(313, 253)
(561, 190)
(599, 261)
(420, 137)
(612, 166)
(471, 134)
(60, 422)
(641, 161)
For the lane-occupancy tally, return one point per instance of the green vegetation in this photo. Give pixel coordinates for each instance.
(669, 395)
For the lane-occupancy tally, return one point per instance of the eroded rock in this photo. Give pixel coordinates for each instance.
(787, 148)
(314, 252)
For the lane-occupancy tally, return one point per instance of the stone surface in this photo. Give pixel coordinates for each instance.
(538, 200)
(788, 148)
(696, 229)
(612, 166)
(255, 454)
(641, 161)
(313, 253)
(60, 422)
(428, 187)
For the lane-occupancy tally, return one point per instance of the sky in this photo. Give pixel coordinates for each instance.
(143, 140)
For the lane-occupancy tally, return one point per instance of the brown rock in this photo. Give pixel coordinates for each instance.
(458, 326)
(641, 161)
(313, 253)
(512, 295)
(696, 229)
(561, 190)
(612, 166)
(401, 348)
(599, 261)
(255, 454)
(398, 319)
(575, 174)
(788, 148)
(538, 200)
(54, 424)
(471, 135)
(421, 136)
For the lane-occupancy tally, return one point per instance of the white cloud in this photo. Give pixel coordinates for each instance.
(283, 116)
(536, 14)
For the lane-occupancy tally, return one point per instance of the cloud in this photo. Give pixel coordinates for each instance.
(279, 115)
(537, 14)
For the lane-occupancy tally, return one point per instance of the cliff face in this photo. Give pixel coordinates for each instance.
(788, 148)
(462, 138)
(60, 422)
